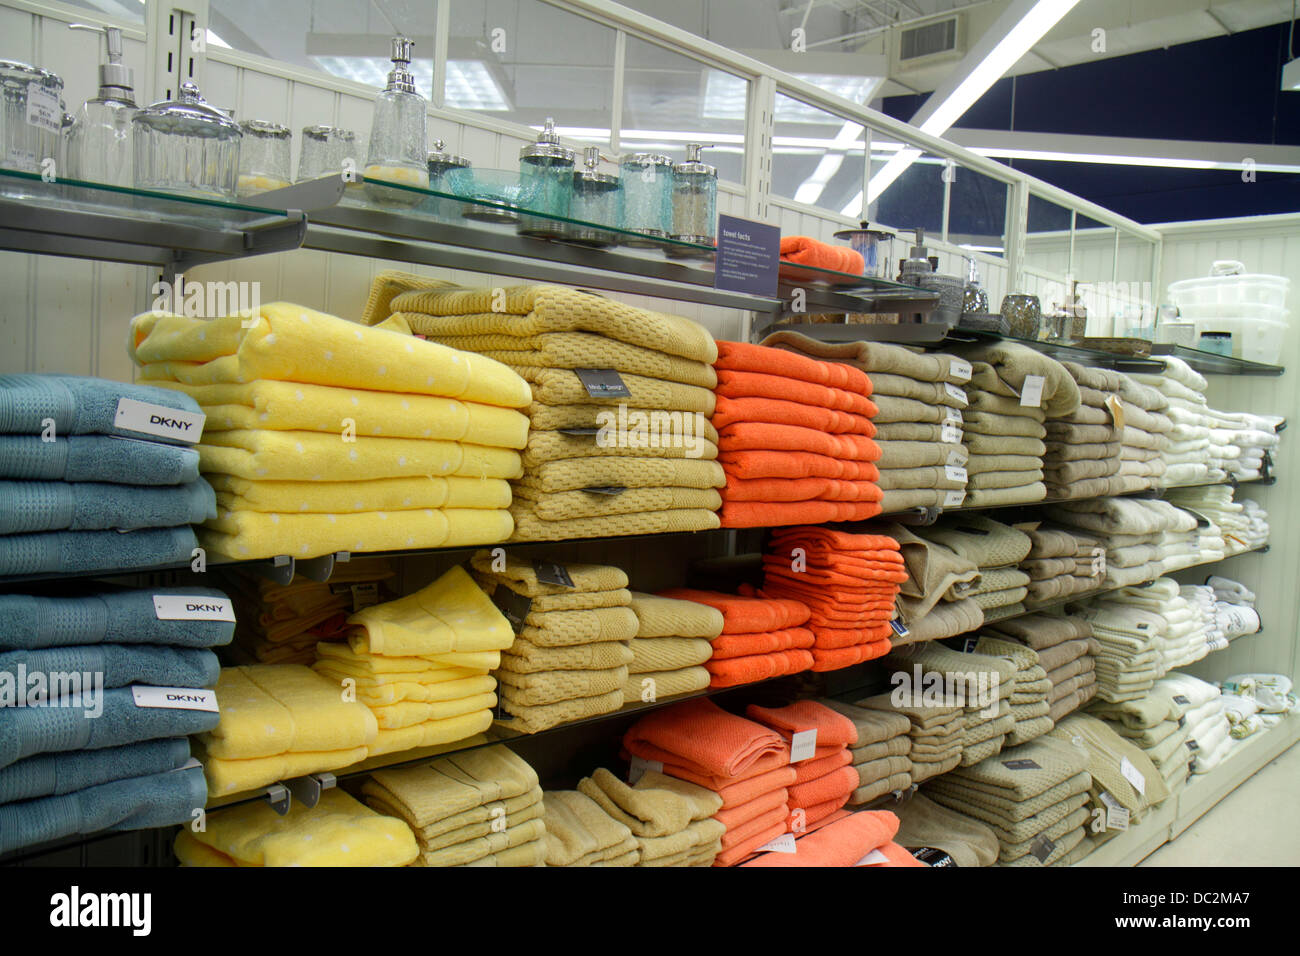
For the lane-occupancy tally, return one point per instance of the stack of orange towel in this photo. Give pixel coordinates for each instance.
(741, 761)
(846, 839)
(848, 581)
(825, 780)
(795, 438)
(761, 637)
(807, 251)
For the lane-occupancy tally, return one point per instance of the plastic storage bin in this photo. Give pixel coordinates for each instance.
(1251, 307)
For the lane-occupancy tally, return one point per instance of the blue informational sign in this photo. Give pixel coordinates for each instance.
(749, 254)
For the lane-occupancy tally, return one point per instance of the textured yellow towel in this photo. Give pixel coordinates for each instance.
(667, 653)
(573, 601)
(297, 406)
(269, 709)
(555, 386)
(377, 692)
(548, 446)
(479, 661)
(255, 534)
(453, 784)
(430, 733)
(391, 283)
(532, 720)
(506, 812)
(658, 685)
(579, 832)
(667, 424)
(238, 776)
(551, 687)
(193, 853)
(529, 527)
(680, 846)
(348, 497)
(567, 505)
(356, 657)
(463, 854)
(655, 807)
(585, 577)
(318, 456)
(564, 628)
(451, 614)
(574, 474)
(668, 617)
(525, 657)
(480, 830)
(290, 343)
(408, 713)
(528, 310)
(532, 853)
(338, 831)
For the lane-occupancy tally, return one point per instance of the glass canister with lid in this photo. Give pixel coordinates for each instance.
(441, 164)
(398, 134)
(32, 127)
(596, 198)
(647, 196)
(546, 183)
(263, 157)
(695, 199)
(187, 146)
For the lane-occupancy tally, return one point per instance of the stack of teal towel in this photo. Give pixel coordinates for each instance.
(97, 475)
(94, 710)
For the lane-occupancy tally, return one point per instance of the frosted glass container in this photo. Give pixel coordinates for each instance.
(186, 147)
(398, 144)
(647, 196)
(546, 175)
(263, 157)
(31, 129)
(695, 199)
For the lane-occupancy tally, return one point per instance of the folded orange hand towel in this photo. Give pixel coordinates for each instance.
(744, 357)
(747, 670)
(760, 436)
(764, 642)
(807, 251)
(778, 412)
(841, 843)
(794, 464)
(735, 384)
(833, 728)
(745, 615)
(703, 734)
(798, 489)
(770, 514)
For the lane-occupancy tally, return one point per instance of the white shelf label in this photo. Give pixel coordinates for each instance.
(192, 607)
(159, 420)
(43, 107)
(1032, 393)
(176, 698)
(1133, 775)
(959, 369)
(803, 745)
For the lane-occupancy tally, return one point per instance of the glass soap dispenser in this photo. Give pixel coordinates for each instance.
(100, 149)
(546, 183)
(695, 199)
(596, 198)
(398, 135)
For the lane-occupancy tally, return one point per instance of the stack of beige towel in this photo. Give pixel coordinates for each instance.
(673, 639)
(1066, 650)
(882, 753)
(670, 819)
(1083, 447)
(594, 465)
(1030, 689)
(580, 833)
(570, 658)
(1061, 563)
(480, 808)
(937, 732)
(935, 601)
(1146, 433)
(997, 549)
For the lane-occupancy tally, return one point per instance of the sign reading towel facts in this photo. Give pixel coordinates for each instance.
(749, 255)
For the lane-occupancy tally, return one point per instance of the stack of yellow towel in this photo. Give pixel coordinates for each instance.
(338, 831)
(283, 623)
(673, 639)
(650, 455)
(325, 435)
(671, 819)
(481, 808)
(280, 721)
(422, 664)
(570, 659)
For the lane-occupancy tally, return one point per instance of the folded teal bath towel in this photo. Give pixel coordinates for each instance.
(30, 506)
(80, 552)
(119, 664)
(52, 774)
(27, 731)
(137, 803)
(106, 617)
(80, 405)
(122, 461)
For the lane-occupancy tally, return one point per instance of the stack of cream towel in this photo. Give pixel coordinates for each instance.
(1083, 447)
(1189, 457)
(1145, 435)
(1159, 724)
(324, 435)
(1185, 639)
(1066, 651)
(1061, 563)
(1031, 689)
(998, 549)
(1241, 529)
(882, 754)
(673, 639)
(937, 730)
(480, 808)
(1132, 642)
(1143, 538)
(921, 422)
(935, 601)
(594, 465)
(570, 658)
(671, 820)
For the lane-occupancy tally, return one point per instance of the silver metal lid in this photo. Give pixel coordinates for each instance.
(189, 114)
(116, 79)
(548, 147)
(265, 130)
(590, 172)
(438, 156)
(401, 79)
(323, 133)
(14, 73)
(694, 166)
(645, 159)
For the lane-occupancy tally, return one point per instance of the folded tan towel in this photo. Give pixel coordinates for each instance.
(874, 357)
(669, 617)
(580, 833)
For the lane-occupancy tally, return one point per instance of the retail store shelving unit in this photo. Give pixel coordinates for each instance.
(173, 234)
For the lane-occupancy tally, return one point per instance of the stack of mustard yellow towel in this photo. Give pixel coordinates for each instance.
(673, 640)
(479, 808)
(597, 463)
(283, 623)
(422, 664)
(338, 831)
(670, 819)
(570, 658)
(280, 721)
(325, 435)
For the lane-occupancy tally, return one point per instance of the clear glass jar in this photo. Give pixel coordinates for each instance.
(398, 143)
(264, 157)
(441, 165)
(695, 199)
(32, 125)
(100, 146)
(546, 183)
(326, 150)
(647, 196)
(186, 146)
(596, 198)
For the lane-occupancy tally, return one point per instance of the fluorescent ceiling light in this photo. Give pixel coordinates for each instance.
(1108, 159)
(470, 84)
(950, 105)
(812, 188)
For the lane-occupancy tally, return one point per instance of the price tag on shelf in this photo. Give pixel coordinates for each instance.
(803, 745)
(43, 107)
(1133, 775)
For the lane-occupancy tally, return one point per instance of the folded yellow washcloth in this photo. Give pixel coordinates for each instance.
(408, 713)
(570, 601)
(359, 644)
(503, 813)
(574, 474)
(561, 386)
(450, 785)
(344, 497)
(338, 831)
(319, 456)
(551, 687)
(452, 614)
(388, 285)
(656, 806)
(679, 846)
(190, 852)
(239, 776)
(474, 831)
(291, 343)
(703, 855)
(523, 575)
(669, 617)
(525, 657)
(551, 446)
(580, 833)
(532, 853)
(255, 534)
(463, 854)
(297, 406)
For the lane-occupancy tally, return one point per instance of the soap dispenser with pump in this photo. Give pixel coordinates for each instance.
(100, 142)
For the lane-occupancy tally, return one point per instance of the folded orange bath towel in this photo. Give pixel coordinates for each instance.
(744, 357)
(807, 251)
